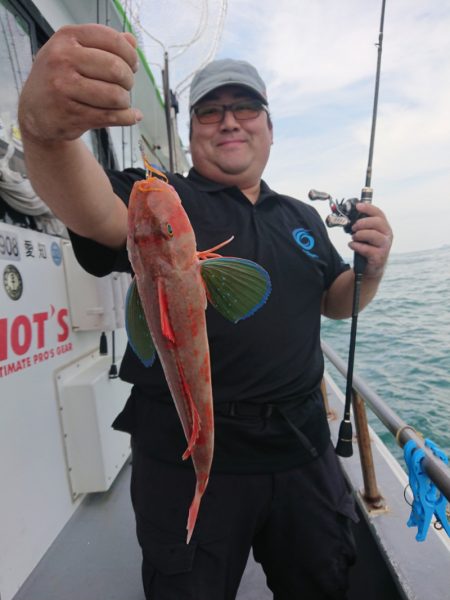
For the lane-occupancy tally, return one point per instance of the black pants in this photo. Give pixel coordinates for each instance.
(297, 522)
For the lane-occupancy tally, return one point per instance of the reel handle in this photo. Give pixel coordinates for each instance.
(316, 195)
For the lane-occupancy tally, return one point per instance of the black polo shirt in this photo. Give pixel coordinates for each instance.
(272, 358)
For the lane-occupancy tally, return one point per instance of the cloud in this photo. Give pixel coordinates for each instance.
(318, 59)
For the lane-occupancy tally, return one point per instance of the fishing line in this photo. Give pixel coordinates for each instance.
(344, 214)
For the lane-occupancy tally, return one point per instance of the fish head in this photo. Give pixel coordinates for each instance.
(158, 226)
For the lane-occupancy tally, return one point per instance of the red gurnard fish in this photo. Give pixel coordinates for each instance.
(165, 310)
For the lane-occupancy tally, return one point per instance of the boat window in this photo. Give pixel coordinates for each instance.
(15, 63)
(17, 41)
(22, 31)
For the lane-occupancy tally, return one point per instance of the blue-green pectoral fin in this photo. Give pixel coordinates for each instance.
(236, 287)
(138, 332)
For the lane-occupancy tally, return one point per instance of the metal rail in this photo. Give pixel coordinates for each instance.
(436, 470)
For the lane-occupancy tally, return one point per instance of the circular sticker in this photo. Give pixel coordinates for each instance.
(56, 253)
(12, 282)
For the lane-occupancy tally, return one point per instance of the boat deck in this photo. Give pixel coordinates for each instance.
(96, 556)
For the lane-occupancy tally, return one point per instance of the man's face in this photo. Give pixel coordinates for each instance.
(231, 152)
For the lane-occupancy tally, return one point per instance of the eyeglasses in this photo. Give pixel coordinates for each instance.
(244, 110)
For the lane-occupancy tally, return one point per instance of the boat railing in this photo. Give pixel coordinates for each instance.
(435, 468)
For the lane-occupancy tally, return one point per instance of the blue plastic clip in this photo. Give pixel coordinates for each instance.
(428, 500)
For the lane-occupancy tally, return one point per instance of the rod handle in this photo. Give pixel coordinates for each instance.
(344, 446)
(360, 262)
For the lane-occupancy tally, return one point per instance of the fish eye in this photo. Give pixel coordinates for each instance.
(169, 230)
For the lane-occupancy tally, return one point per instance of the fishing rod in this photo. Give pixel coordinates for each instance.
(167, 110)
(344, 214)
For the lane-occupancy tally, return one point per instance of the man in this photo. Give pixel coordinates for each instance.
(275, 485)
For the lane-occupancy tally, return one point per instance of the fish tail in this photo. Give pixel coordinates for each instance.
(200, 487)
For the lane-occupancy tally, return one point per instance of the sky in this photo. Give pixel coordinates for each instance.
(318, 59)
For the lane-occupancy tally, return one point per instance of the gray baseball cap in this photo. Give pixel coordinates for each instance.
(226, 72)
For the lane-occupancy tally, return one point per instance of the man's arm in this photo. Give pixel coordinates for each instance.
(372, 238)
(80, 80)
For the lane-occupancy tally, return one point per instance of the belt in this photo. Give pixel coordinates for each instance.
(249, 409)
(245, 409)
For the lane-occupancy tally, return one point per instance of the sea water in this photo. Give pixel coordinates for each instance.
(403, 344)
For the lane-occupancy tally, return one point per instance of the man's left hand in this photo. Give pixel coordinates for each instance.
(372, 238)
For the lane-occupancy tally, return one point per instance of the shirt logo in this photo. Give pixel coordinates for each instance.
(305, 240)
